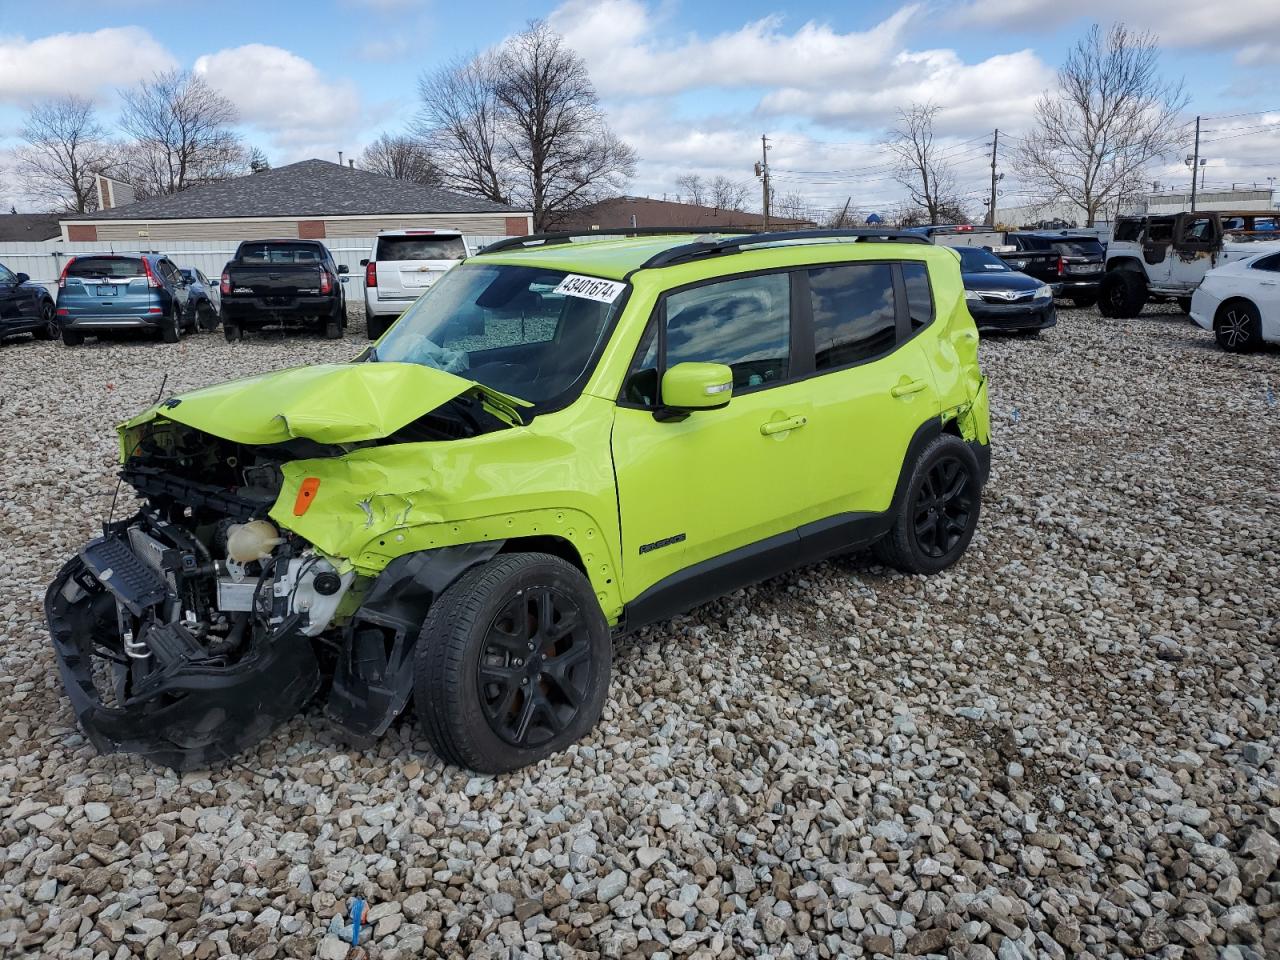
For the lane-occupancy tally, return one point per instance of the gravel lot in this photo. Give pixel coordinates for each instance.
(1064, 746)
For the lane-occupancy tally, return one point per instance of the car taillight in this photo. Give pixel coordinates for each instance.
(370, 274)
(326, 285)
(152, 279)
(62, 277)
(1062, 265)
(224, 284)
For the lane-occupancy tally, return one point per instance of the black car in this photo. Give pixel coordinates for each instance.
(1072, 264)
(25, 307)
(287, 283)
(1001, 298)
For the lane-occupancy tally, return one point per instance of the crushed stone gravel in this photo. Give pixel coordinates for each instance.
(1064, 746)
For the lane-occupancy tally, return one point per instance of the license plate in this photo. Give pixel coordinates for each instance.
(1087, 268)
(107, 291)
(418, 279)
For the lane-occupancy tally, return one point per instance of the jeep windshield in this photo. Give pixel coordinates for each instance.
(529, 332)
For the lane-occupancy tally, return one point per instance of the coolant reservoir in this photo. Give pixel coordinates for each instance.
(247, 542)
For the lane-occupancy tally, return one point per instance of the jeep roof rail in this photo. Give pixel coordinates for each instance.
(692, 251)
(568, 236)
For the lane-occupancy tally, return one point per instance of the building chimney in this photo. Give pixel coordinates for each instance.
(339, 158)
(351, 164)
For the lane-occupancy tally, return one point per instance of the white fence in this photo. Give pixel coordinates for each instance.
(43, 262)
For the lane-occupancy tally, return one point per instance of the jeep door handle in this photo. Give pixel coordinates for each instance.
(782, 426)
(906, 389)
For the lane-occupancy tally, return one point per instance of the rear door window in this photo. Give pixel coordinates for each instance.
(420, 248)
(121, 267)
(854, 313)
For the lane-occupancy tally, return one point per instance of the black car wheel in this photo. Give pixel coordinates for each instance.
(939, 512)
(72, 338)
(206, 317)
(1238, 326)
(512, 663)
(171, 326)
(1184, 304)
(232, 331)
(375, 326)
(48, 328)
(333, 329)
(1122, 295)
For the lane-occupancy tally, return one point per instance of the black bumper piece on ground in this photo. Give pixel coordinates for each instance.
(189, 713)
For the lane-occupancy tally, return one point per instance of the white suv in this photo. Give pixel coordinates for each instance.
(404, 265)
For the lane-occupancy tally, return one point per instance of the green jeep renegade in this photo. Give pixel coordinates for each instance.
(563, 439)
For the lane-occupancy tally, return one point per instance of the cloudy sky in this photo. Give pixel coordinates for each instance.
(692, 85)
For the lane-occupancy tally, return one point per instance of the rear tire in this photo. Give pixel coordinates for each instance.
(512, 663)
(232, 331)
(939, 511)
(1122, 294)
(375, 326)
(48, 329)
(332, 329)
(1184, 304)
(72, 338)
(1238, 327)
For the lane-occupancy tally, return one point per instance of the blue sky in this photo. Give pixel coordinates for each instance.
(691, 85)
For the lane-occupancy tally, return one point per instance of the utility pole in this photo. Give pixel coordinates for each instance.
(1195, 166)
(762, 171)
(991, 210)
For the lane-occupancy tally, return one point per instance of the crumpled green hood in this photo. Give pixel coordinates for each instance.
(328, 403)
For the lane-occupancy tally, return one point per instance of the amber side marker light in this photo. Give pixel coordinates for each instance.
(306, 493)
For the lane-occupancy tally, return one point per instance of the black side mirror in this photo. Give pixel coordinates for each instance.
(21, 278)
(342, 268)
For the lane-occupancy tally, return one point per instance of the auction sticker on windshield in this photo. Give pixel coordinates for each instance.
(590, 288)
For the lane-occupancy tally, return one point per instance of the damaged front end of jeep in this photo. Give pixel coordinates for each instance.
(190, 630)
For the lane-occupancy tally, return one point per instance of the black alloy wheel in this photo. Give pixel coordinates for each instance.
(48, 329)
(938, 510)
(943, 505)
(535, 667)
(512, 663)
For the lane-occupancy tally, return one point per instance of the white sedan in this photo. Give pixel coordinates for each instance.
(1240, 302)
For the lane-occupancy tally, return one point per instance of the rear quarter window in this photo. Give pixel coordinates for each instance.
(420, 248)
(854, 313)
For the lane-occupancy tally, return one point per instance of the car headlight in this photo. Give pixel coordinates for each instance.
(1044, 290)
(972, 295)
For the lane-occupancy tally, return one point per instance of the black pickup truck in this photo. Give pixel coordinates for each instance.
(1071, 264)
(287, 283)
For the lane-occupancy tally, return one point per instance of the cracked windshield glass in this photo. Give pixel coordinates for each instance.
(526, 331)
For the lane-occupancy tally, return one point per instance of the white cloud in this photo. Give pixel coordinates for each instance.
(1192, 24)
(87, 64)
(285, 98)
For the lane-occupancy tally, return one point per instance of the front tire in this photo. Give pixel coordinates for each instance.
(512, 664)
(48, 328)
(1238, 327)
(206, 318)
(939, 511)
(1122, 294)
(171, 331)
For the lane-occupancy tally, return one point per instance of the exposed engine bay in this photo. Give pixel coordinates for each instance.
(190, 630)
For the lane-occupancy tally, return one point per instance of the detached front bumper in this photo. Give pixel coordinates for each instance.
(180, 707)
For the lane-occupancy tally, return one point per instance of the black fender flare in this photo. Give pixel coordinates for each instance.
(373, 675)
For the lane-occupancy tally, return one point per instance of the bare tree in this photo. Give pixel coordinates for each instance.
(691, 188)
(555, 133)
(727, 194)
(523, 125)
(65, 147)
(401, 158)
(182, 133)
(792, 206)
(460, 121)
(921, 164)
(1111, 116)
